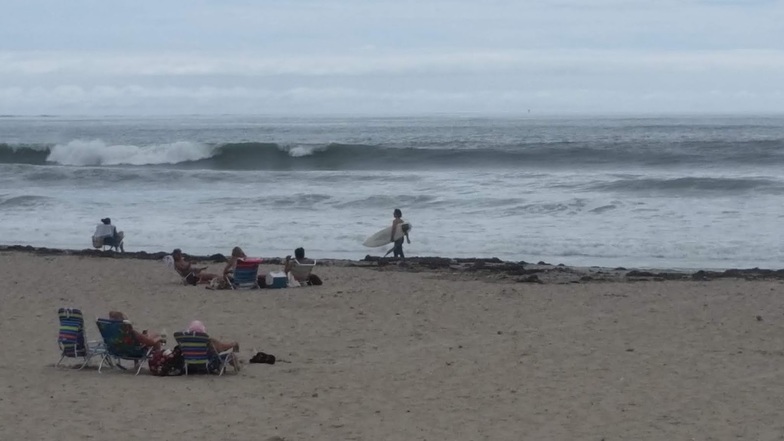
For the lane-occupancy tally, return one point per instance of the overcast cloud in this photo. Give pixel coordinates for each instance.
(306, 57)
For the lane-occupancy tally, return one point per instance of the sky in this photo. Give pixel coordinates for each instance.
(391, 57)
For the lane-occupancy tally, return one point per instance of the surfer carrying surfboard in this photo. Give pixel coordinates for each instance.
(392, 234)
(398, 244)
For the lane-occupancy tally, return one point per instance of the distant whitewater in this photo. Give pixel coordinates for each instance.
(325, 155)
(667, 192)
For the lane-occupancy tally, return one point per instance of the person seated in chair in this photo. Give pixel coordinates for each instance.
(215, 344)
(299, 258)
(146, 338)
(236, 254)
(107, 234)
(192, 275)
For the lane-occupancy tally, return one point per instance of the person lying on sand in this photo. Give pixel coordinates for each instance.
(187, 270)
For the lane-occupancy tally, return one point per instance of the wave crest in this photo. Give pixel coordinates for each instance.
(339, 156)
(97, 152)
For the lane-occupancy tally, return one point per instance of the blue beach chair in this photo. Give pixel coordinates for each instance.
(121, 344)
(246, 273)
(71, 338)
(197, 351)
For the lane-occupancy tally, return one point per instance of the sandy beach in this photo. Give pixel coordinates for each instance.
(384, 353)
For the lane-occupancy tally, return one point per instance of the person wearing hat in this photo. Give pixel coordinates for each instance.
(217, 346)
(107, 234)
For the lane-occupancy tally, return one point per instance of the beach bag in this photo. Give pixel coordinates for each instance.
(97, 242)
(191, 279)
(166, 362)
(314, 280)
(261, 357)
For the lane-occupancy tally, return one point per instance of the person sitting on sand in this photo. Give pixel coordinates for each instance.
(216, 345)
(146, 338)
(236, 254)
(192, 275)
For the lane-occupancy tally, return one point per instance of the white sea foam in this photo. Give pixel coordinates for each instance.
(631, 213)
(299, 151)
(97, 152)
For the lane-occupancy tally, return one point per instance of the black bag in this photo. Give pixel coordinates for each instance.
(261, 357)
(314, 280)
(191, 279)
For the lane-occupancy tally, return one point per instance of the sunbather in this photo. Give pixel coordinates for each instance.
(186, 269)
(146, 338)
(236, 254)
(217, 345)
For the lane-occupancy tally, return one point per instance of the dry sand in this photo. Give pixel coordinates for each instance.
(383, 354)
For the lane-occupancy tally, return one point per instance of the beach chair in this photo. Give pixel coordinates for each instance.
(198, 351)
(246, 274)
(103, 242)
(188, 279)
(121, 344)
(301, 271)
(71, 337)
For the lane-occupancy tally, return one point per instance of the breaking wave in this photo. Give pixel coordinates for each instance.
(339, 156)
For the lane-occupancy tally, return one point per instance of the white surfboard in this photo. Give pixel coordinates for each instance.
(381, 238)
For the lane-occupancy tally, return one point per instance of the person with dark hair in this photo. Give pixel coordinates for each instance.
(397, 249)
(107, 234)
(186, 269)
(300, 259)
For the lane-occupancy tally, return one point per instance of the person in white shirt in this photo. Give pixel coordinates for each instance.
(107, 234)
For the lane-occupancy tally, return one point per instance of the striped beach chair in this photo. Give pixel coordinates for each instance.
(187, 279)
(121, 344)
(197, 351)
(246, 274)
(71, 337)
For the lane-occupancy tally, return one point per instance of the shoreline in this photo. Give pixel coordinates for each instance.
(477, 268)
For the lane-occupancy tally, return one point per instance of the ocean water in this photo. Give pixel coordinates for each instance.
(663, 192)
